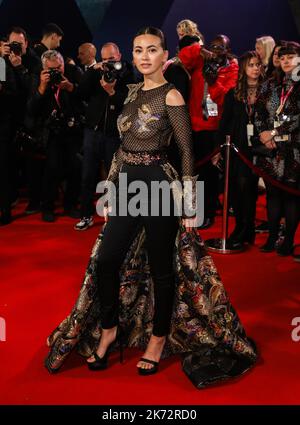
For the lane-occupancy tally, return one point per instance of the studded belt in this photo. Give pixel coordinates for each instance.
(144, 158)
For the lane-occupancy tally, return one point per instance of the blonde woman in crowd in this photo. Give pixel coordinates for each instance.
(188, 27)
(264, 47)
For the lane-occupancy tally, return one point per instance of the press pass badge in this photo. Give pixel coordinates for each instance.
(250, 133)
(212, 107)
(284, 137)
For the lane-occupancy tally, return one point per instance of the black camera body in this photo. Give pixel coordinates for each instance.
(111, 71)
(55, 76)
(16, 48)
(210, 71)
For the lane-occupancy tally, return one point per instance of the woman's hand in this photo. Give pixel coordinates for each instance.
(106, 211)
(190, 223)
(265, 136)
(215, 159)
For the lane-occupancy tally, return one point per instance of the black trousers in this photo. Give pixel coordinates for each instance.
(35, 173)
(160, 240)
(5, 176)
(282, 204)
(243, 191)
(204, 144)
(6, 164)
(96, 147)
(62, 162)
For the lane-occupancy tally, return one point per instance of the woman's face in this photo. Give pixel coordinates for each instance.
(253, 68)
(148, 54)
(276, 61)
(180, 33)
(289, 62)
(260, 51)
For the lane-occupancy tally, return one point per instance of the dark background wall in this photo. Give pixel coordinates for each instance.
(118, 20)
(32, 15)
(243, 21)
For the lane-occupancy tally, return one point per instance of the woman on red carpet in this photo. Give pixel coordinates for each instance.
(150, 282)
(277, 121)
(238, 122)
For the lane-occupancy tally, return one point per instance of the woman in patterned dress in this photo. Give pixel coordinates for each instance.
(150, 275)
(278, 122)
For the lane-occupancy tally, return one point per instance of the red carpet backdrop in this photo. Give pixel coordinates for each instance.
(41, 269)
(42, 264)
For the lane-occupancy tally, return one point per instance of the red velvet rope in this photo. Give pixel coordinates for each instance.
(264, 175)
(207, 158)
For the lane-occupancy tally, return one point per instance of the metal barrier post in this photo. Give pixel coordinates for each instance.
(221, 245)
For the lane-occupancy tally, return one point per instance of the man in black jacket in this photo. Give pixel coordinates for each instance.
(51, 38)
(8, 92)
(101, 138)
(56, 116)
(25, 64)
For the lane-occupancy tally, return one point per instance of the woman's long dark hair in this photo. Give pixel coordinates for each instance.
(240, 91)
(273, 72)
(153, 31)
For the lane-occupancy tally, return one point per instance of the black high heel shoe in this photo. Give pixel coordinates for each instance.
(238, 238)
(150, 371)
(101, 363)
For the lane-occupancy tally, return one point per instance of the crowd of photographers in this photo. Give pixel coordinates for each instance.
(58, 121)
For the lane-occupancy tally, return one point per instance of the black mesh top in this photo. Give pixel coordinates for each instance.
(146, 124)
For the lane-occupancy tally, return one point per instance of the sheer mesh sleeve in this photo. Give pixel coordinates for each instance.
(115, 167)
(182, 130)
(181, 125)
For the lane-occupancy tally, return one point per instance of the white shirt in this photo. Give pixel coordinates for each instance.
(86, 67)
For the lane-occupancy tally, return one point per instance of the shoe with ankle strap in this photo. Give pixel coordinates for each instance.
(150, 371)
(101, 363)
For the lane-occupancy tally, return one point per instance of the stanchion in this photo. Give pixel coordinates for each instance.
(221, 245)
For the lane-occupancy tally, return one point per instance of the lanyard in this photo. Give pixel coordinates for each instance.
(56, 95)
(249, 109)
(283, 99)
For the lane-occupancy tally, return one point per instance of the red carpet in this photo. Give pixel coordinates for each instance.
(41, 266)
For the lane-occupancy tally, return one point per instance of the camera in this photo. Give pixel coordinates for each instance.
(29, 145)
(16, 48)
(55, 76)
(210, 71)
(111, 71)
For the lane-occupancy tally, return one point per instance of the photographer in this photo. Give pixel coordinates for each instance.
(25, 65)
(51, 37)
(87, 55)
(56, 117)
(8, 92)
(105, 89)
(213, 74)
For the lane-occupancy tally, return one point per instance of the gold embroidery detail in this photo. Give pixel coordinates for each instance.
(145, 117)
(132, 92)
(123, 124)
